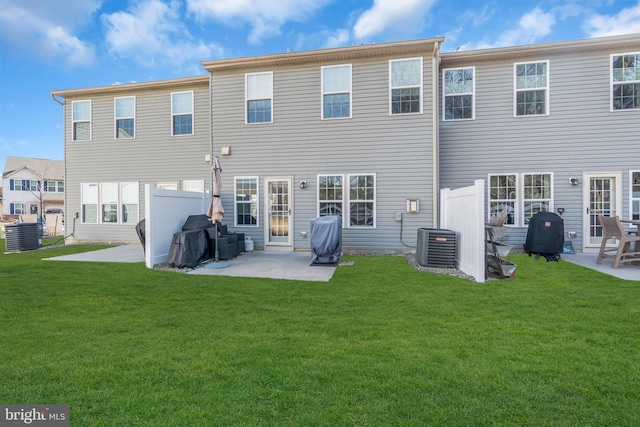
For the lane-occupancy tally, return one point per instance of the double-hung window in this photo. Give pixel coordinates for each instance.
(330, 195)
(459, 93)
(125, 112)
(129, 202)
(336, 91)
(81, 117)
(246, 189)
(405, 86)
(259, 97)
(362, 200)
(531, 81)
(625, 81)
(89, 203)
(182, 113)
(634, 186)
(521, 195)
(109, 202)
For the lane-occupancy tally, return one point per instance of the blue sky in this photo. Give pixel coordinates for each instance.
(48, 45)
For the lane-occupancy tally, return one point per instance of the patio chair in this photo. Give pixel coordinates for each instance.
(612, 229)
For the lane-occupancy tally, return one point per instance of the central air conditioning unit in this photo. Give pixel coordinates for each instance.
(436, 248)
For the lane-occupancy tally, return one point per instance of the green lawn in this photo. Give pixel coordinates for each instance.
(381, 344)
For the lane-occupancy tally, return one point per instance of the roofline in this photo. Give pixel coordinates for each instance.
(421, 46)
(624, 41)
(128, 87)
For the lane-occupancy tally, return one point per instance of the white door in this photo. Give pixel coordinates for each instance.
(278, 212)
(602, 193)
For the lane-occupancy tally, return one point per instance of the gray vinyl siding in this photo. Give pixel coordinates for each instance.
(153, 156)
(580, 134)
(299, 144)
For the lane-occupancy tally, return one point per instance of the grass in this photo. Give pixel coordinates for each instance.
(380, 344)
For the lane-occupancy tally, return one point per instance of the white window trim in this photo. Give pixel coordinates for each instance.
(193, 116)
(247, 99)
(631, 198)
(121, 202)
(611, 82)
(97, 202)
(73, 121)
(391, 87)
(516, 90)
(348, 201)
(235, 202)
(323, 93)
(519, 201)
(344, 190)
(116, 118)
(472, 93)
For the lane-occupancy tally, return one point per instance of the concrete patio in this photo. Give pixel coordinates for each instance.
(296, 265)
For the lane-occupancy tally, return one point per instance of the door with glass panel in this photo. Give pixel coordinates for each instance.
(602, 195)
(278, 212)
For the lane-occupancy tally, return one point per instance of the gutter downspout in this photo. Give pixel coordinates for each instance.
(64, 142)
(435, 65)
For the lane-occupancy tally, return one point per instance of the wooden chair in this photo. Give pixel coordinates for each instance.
(612, 229)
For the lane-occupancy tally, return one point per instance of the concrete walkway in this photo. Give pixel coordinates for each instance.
(624, 271)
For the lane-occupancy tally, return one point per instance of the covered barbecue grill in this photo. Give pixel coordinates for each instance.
(545, 236)
(326, 239)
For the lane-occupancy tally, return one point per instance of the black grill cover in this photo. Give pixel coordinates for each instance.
(140, 229)
(545, 235)
(188, 248)
(195, 222)
(326, 239)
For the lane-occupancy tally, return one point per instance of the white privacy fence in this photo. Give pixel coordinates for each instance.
(462, 211)
(165, 212)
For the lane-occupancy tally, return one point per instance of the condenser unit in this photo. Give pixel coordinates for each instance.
(436, 247)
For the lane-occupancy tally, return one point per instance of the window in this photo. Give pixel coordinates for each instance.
(522, 195)
(625, 81)
(54, 186)
(109, 202)
(246, 193)
(24, 184)
(129, 195)
(81, 120)
(531, 88)
(125, 111)
(459, 93)
(89, 202)
(405, 81)
(17, 208)
(330, 195)
(182, 113)
(259, 93)
(362, 197)
(635, 195)
(336, 92)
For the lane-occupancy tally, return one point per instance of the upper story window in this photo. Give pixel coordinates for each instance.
(405, 86)
(531, 88)
(125, 112)
(182, 113)
(259, 97)
(521, 195)
(81, 117)
(336, 91)
(246, 201)
(625, 81)
(459, 93)
(54, 186)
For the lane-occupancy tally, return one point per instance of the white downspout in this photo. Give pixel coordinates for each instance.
(435, 64)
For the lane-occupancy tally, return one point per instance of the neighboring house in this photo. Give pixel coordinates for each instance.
(31, 186)
(371, 133)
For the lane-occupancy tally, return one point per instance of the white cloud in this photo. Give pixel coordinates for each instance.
(396, 15)
(46, 29)
(627, 21)
(338, 38)
(152, 34)
(265, 17)
(531, 27)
